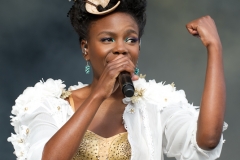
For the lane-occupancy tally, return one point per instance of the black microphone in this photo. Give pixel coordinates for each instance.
(126, 84)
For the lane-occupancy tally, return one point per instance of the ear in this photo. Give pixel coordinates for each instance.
(84, 48)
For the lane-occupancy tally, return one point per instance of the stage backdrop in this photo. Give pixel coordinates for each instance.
(37, 42)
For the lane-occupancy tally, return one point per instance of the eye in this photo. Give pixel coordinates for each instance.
(131, 40)
(107, 39)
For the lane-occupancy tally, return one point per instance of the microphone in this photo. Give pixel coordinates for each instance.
(126, 84)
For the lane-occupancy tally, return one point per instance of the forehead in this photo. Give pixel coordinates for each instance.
(116, 22)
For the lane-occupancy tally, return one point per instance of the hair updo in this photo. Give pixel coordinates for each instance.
(81, 19)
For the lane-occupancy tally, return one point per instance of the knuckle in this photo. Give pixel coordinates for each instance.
(207, 16)
(127, 62)
(111, 73)
(110, 67)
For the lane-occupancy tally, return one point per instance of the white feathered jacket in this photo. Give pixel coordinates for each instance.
(158, 119)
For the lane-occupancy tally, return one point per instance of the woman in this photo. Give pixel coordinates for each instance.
(97, 121)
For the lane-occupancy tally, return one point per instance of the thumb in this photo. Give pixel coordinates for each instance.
(135, 77)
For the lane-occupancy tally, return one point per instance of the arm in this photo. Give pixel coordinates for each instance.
(64, 144)
(212, 108)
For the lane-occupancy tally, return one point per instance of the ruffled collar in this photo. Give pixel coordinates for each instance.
(153, 92)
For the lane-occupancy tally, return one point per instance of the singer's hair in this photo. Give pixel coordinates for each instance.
(81, 19)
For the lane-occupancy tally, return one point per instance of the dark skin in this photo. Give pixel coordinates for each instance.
(212, 111)
(112, 46)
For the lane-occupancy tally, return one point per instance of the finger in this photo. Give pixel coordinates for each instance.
(114, 69)
(121, 61)
(116, 66)
(192, 29)
(121, 64)
(121, 58)
(123, 67)
(135, 77)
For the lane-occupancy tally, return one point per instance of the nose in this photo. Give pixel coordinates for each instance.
(120, 48)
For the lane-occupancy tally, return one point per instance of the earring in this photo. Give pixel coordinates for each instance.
(84, 51)
(136, 70)
(87, 68)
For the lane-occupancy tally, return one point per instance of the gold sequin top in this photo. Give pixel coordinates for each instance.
(95, 147)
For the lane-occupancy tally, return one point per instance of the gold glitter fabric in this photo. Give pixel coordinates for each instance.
(95, 147)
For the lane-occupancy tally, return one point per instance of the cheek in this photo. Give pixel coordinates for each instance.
(97, 55)
(135, 54)
(97, 52)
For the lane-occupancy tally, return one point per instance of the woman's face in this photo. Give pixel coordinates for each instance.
(113, 35)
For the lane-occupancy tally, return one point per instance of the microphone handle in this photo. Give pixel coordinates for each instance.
(126, 84)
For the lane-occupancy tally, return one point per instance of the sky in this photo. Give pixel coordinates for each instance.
(38, 42)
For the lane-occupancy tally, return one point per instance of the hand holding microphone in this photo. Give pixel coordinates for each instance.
(124, 66)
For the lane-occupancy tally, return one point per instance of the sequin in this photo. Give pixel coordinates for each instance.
(142, 76)
(95, 147)
(132, 111)
(65, 94)
(27, 131)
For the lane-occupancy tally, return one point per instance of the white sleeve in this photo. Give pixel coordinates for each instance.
(39, 114)
(179, 134)
(42, 126)
(33, 130)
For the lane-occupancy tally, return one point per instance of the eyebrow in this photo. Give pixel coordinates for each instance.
(106, 32)
(129, 31)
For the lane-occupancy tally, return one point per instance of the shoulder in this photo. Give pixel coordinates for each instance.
(49, 89)
(45, 96)
(157, 92)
